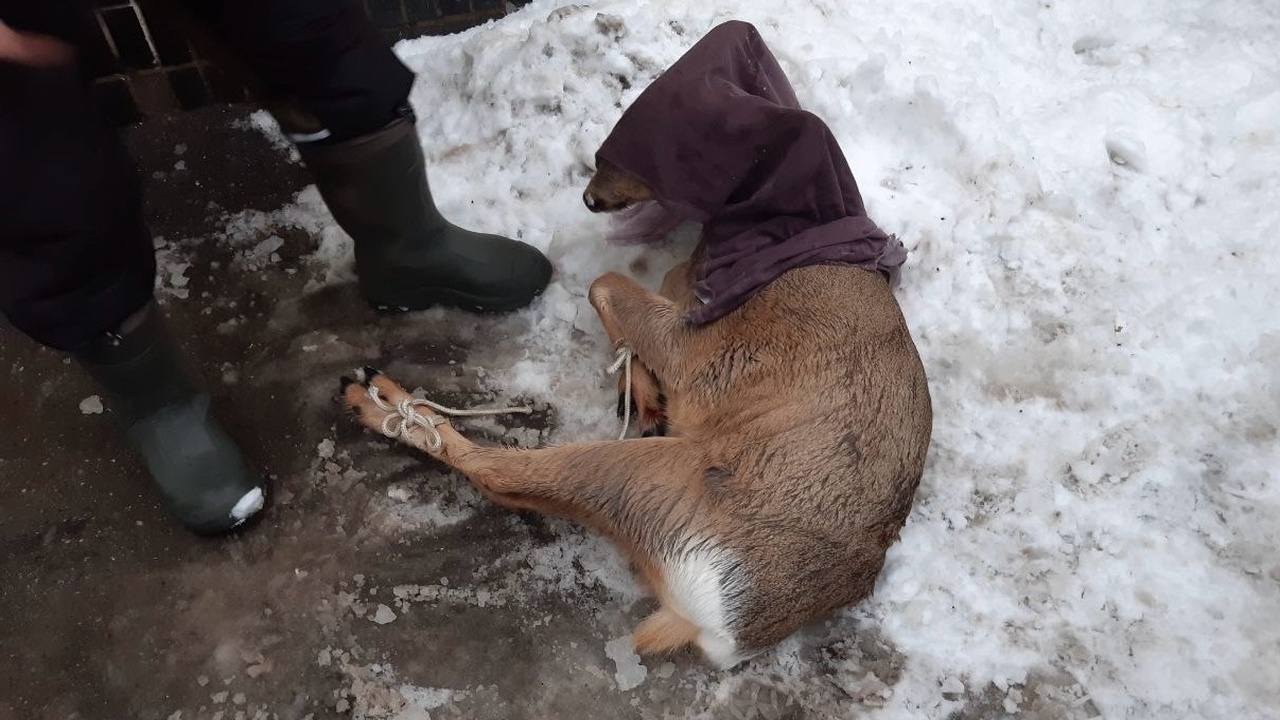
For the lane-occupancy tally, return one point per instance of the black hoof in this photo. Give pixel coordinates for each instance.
(622, 406)
(659, 430)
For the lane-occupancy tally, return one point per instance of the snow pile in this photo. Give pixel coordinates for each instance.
(1088, 193)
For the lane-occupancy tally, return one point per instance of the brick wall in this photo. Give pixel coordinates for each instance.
(147, 66)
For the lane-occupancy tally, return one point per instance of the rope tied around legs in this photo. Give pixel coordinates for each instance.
(406, 417)
(622, 361)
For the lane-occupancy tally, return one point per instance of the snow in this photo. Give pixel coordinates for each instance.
(383, 615)
(1088, 193)
(429, 698)
(630, 671)
(250, 503)
(92, 405)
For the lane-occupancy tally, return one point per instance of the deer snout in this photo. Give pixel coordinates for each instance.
(602, 201)
(611, 189)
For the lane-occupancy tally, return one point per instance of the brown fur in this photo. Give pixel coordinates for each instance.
(798, 431)
(664, 631)
(611, 189)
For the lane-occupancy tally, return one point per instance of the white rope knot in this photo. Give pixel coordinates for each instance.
(407, 417)
(622, 361)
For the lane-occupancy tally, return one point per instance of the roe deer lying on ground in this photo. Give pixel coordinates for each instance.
(797, 426)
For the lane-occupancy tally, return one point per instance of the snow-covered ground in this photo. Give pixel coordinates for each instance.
(1091, 199)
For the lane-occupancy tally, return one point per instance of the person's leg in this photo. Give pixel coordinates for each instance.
(77, 258)
(342, 97)
(77, 271)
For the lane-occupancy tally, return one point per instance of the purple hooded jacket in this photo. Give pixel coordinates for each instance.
(721, 140)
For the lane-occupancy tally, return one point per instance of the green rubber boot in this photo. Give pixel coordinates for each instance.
(408, 256)
(206, 482)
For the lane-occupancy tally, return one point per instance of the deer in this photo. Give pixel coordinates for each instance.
(780, 452)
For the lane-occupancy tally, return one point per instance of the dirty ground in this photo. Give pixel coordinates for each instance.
(376, 585)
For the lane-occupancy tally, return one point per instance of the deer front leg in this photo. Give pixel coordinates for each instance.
(647, 399)
(648, 403)
(651, 325)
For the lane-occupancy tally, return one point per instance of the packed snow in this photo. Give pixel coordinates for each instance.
(92, 405)
(1088, 192)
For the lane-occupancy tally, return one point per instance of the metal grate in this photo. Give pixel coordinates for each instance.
(147, 66)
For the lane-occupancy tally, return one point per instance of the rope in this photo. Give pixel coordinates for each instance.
(623, 360)
(405, 417)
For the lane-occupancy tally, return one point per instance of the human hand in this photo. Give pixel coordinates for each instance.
(33, 49)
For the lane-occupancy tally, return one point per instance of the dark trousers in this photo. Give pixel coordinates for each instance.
(76, 257)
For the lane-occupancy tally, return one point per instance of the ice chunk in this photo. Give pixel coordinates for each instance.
(630, 672)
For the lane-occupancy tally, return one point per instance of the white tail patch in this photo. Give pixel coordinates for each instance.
(705, 585)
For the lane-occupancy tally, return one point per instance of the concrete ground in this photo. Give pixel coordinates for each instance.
(375, 585)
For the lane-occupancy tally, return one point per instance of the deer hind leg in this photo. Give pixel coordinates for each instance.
(629, 489)
(646, 495)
